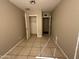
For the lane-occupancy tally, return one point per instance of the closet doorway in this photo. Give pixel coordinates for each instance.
(33, 25)
(46, 26)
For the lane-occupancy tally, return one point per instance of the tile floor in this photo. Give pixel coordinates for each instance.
(33, 47)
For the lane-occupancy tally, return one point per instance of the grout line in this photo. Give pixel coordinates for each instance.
(51, 51)
(44, 46)
(40, 48)
(31, 49)
(54, 54)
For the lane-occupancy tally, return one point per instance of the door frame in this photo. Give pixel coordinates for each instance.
(27, 25)
(36, 21)
(50, 19)
(50, 24)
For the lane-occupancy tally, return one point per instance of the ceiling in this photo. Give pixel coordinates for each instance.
(44, 5)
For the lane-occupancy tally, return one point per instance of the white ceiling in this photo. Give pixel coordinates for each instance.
(44, 5)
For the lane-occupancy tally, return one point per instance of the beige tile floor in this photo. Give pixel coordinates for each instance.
(33, 47)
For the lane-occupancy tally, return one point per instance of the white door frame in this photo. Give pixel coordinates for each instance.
(27, 25)
(36, 19)
(49, 25)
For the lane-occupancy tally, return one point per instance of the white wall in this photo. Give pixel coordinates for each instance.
(12, 25)
(66, 25)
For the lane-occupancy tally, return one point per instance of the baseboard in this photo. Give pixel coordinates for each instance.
(62, 50)
(12, 48)
(39, 35)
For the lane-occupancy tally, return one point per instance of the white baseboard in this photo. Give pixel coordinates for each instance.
(39, 35)
(12, 48)
(62, 50)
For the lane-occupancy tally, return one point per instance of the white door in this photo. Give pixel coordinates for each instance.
(33, 24)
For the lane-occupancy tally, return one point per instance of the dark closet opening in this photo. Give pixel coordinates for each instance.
(46, 26)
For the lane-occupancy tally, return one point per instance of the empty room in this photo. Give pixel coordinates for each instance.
(39, 29)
